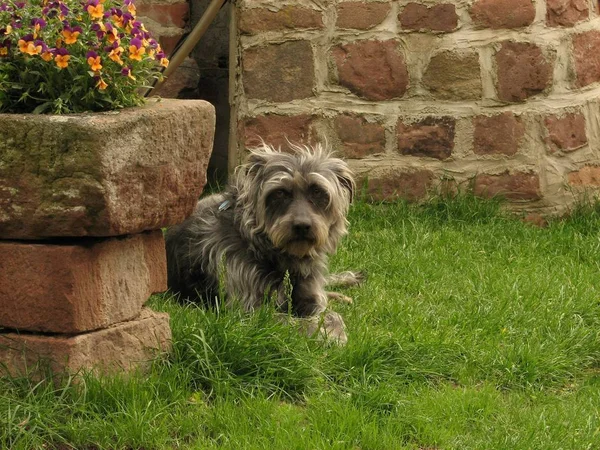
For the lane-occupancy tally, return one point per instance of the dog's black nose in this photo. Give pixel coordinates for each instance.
(301, 229)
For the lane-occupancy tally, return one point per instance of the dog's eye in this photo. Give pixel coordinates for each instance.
(318, 194)
(280, 194)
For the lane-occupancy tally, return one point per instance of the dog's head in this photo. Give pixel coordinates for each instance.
(298, 199)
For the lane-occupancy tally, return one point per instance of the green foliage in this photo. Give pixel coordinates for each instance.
(473, 330)
(71, 56)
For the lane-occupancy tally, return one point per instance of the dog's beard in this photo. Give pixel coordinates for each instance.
(306, 246)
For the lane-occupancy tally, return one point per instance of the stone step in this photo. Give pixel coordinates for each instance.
(81, 284)
(123, 347)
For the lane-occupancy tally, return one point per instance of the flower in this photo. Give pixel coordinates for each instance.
(95, 9)
(126, 71)
(27, 45)
(62, 57)
(71, 34)
(136, 49)
(101, 84)
(94, 61)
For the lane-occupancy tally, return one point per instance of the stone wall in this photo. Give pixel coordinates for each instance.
(500, 96)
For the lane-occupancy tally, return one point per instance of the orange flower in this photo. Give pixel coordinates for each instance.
(96, 12)
(115, 55)
(3, 51)
(136, 52)
(70, 36)
(29, 47)
(62, 58)
(164, 62)
(94, 63)
(101, 84)
(47, 56)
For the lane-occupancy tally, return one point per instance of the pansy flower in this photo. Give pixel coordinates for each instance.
(95, 9)
(101, 84)
(38, 24)
(136, 49)
(70, 35)
(114, 53)
(47, 55)
(94, 61)
(28, 46)
(62, 57)
(126, 72)
(4, 47)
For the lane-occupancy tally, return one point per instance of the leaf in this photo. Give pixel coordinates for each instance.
(40, 109)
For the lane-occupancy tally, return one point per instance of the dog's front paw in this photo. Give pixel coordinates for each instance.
(328, 325)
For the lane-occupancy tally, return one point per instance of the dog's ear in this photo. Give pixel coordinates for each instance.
(344, 175)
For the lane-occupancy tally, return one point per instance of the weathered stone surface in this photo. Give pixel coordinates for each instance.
(81, 286)
(512, 186)
(432, 137)
(586, 57)
(185, 78)
(122, 347)
(588, 176)
(565, 133)
(103, 174)
(454, 76)
(498, 134)
(257, 20)
(166, 14)
(276, 130)
(419, 17)
(522, 71)
(279, 72)
(359, 138)
(503, 13)
(409, 185)
(375, 70)
(361, 15)
(566, 13)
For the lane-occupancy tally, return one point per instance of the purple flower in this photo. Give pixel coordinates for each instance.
(136, 42)
(91, 54)
(62, 51)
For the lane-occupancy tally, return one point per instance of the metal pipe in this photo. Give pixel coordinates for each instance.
(190, 42)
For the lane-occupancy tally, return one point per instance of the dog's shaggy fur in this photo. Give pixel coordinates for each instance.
(268, 235)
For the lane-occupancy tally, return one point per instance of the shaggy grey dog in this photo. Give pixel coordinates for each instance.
(268, 236)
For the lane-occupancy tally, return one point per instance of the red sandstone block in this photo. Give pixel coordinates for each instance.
(587, 57)
(258, 20)
(522, 71)
(276, 130)
(419, 17)
(503, 13)
(359, 138)
(432, 137)
(566, 133)
(588, 176)
(408, 185)
(279, 72)
(566, 13)
(361, 15)
(79, 286)
(123, 347)
(375, 70)
(498, 134)
(166, 14)
(513, 186)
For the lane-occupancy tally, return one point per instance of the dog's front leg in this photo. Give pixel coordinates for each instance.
(309, 300)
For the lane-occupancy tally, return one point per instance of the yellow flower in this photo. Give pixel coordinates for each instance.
(62, 61)
(94, 63)
(96, 12)
(101, 84)
(164, 62)
(29, 47)
(115, 55)
(136, 53)
(3, 51)
(8, 29)
(70, 36)
(47, 56)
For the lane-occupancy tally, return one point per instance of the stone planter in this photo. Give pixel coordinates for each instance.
(82, 202)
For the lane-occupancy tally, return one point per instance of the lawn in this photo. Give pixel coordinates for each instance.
(473, 331)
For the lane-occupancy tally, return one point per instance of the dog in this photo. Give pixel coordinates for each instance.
(268, 236)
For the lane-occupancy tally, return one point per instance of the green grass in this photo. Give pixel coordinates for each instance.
(473, 331)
